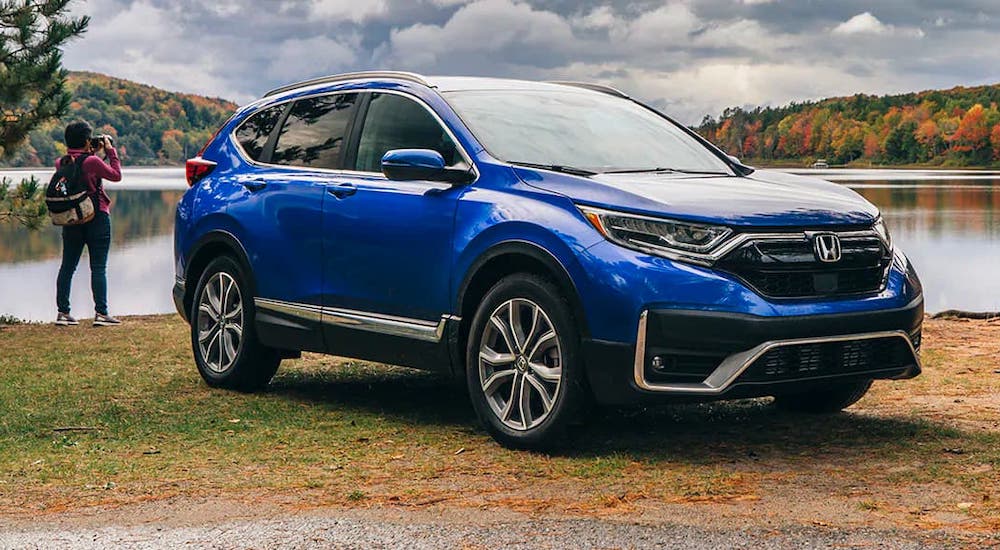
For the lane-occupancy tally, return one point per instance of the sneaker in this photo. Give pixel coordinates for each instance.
(65, 319)
(105, 321)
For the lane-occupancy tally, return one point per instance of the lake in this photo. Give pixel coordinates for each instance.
(948, 222)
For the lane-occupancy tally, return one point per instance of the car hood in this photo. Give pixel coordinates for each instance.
(764, 198)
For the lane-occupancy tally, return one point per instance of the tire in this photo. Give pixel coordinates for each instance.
(542, 354)
(225, 346)
(831, 399)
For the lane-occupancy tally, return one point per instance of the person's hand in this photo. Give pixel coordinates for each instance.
(106, 143)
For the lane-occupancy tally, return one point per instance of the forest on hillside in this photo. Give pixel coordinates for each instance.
(150, 126)
(956, 127)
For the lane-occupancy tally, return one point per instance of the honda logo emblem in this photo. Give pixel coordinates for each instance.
(827, 247)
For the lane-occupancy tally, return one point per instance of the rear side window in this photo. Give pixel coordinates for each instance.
(314, 132)
(253, 133)
(396, 122)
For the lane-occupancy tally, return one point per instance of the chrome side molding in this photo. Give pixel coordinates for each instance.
(404, 327)
(726, 374)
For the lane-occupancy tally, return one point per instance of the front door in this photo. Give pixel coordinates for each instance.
(387, 244)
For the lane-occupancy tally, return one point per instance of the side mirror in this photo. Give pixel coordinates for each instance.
(735, 159)
(413, 164)
(421, 164)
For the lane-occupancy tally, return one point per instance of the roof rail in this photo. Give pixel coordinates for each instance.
(400, 75)
(591, 86)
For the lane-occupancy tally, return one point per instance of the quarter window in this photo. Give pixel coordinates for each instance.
(396, 122)
(253, 133)
(314, 132)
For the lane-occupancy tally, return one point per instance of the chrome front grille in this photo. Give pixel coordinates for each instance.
(789, 268)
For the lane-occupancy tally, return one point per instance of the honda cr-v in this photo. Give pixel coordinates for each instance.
(555, 244)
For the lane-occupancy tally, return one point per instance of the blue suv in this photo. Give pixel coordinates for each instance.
(556, 244)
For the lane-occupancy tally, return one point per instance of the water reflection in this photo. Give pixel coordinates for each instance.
(140, 275)
(140, 267)
(950, 229)
(135, 216)
(951, 232)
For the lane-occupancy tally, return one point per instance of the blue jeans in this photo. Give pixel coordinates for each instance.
(96, 235)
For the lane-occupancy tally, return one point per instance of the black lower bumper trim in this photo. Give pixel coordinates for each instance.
(178, 294)
(611, 366)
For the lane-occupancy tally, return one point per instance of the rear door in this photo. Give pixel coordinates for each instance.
(283, 214)
(388, 243)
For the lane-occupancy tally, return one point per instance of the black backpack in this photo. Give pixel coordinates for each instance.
(66, 197)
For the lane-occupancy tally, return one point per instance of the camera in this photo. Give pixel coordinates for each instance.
(96, 142)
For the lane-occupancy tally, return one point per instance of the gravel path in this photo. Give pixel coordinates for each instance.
(311, 531)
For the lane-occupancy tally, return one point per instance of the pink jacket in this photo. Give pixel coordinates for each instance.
(94, 170)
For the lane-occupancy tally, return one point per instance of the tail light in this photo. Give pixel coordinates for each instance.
(197, 168)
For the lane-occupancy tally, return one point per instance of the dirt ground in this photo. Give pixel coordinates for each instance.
(917, 461)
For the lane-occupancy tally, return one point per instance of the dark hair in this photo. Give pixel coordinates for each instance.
(78, 134)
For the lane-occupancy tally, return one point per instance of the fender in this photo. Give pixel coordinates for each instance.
(213, 238)
(538, 253)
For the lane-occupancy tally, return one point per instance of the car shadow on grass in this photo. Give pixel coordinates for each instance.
(749, 429)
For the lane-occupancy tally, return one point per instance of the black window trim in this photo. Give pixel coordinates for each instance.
(268, 147)
(354, 129)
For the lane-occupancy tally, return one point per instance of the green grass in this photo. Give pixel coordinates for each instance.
(126, 418)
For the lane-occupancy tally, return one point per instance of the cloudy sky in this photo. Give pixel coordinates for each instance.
(690, 58)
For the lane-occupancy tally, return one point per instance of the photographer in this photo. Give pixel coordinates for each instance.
(95, 234)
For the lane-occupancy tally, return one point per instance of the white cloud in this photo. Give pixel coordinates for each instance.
(862, 23)
(488, 26)
(602, 17)
(670, 24)
(692, 58)
(298, 59)
(350, 10)
(866, 23)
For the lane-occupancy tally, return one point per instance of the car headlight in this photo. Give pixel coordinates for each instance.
(883, 232)
(673, 239)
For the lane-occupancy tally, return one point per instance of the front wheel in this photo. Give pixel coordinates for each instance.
(223, 336)
(523, 365)
(826, 400)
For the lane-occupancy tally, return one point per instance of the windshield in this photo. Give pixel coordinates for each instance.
(581, 130)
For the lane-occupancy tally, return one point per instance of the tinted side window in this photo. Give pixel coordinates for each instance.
(396, 122)
(313, 134)
(253, 133)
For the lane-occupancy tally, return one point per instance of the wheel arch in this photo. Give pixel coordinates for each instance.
(499, 261)
(209, 246)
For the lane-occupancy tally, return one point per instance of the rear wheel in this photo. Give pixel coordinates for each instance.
(829, 399)
(524, 372)
(223, 336)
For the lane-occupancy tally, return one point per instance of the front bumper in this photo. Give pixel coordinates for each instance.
(705, 355)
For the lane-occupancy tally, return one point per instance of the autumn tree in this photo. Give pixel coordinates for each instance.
(955, 126)
(32, 87)
(901, 144)
(972, 135)
(995, 141)
(929, 137)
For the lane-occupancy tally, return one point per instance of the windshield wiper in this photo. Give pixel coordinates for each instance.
(557, 168)
(656, 170)
(639, 170)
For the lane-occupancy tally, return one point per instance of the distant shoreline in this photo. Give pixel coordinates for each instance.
(172, 177)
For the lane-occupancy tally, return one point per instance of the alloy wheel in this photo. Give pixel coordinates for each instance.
(220, 322)
(520, 364)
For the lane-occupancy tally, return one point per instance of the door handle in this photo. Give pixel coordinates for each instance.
(342, 190)
(254, 185)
